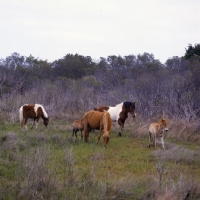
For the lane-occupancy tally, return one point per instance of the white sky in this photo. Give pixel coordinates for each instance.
(50, 29)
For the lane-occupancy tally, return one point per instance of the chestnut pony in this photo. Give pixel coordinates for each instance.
(34, 111)
(119, 113)
(100, 121)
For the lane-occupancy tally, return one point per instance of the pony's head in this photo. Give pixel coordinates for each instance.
(129, 107)
(164, 125)
(46, 121)
(106, 137)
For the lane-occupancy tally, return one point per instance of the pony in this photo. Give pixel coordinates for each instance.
(157, 130)
(77, 125)
(34, 111)
(119, 113)
(100, 121)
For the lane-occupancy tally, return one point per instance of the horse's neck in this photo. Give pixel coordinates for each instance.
(114, 112)
(160, 125)
(43, 117)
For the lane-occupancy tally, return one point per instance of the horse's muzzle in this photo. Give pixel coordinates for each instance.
(134, 115)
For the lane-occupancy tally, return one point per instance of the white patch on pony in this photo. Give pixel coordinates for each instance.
(115, 111)
(44, 112)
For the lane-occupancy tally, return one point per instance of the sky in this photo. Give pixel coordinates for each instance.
(51, 29)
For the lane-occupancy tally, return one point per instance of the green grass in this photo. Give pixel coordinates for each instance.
(50, 164)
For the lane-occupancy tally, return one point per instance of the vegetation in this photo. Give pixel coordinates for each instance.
(50, 164)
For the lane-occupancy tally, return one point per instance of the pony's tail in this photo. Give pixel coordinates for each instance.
(21, 118)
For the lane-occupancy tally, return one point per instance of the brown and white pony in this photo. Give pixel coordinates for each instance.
(34, 111)
(119, 113)
(157, 130)
(100, 121)
(77, 125)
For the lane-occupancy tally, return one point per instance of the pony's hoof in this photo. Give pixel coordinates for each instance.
(120, 134)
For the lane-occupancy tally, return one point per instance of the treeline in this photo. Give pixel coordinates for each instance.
(73, 84)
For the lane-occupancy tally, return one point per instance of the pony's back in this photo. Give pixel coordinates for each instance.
(78, 124)
(93, 119)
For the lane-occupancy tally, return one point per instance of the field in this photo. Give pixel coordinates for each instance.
(51, 164)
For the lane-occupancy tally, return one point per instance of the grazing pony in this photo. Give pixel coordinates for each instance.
(157, 130)
(100, 121)
(119, 113)
(34, 111)
(77, 125)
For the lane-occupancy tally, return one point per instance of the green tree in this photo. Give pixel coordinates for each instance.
(192, 51)
(73, 66)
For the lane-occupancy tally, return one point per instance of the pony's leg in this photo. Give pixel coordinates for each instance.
(73, 132)
(37, 122)
(33, 123)
(81, 134)
(162, 142)
(86, 132)
(99, 136)
(154, 140)
(120, 133)
(24, 123)
(150, 139)
(76, 132)
(121, 127)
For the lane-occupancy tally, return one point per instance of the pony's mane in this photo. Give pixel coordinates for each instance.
(105, 121)
(120, 104)
(44, 112)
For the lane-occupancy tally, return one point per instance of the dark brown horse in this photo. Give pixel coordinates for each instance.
(119, 113)
(34, 111)
(100, 121)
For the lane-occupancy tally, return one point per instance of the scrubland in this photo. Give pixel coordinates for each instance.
(51, 164)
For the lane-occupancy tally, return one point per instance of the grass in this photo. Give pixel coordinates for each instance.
(50, 164)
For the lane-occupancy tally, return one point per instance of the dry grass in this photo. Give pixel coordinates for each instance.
(178, 131)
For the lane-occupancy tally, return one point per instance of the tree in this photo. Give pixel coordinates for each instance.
(73, 66)
(192, 51)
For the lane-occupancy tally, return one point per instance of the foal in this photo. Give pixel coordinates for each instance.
(157, 130)
(77, 125)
